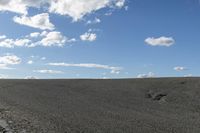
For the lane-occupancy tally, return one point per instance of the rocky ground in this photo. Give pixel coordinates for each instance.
(160, 105)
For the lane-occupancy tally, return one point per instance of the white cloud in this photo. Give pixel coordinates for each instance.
(120, 3)
(48, 71)
(93, 30)
(88, 37)
(148, 75)
(10, 43)
(5, 66)
(22, 42)
(77, 9)
(54, 39)
(34, 3)
(31, 77)
(40, 21)
(30, 62)
(2, 76)
(2, 37)
(16, 6)
(7, 60)
(188, 75)
(34, 35)
(95, 21)
(43, 58)
(109, 13)
(33, 56)
(161, 41)
(113, 70)
(44, 38)
(71, 40)
(44, 33)
(180, 68)
(10, 60)
(126, 8)
(20, 6)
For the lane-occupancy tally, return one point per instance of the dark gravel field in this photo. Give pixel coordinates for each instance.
(157, 105)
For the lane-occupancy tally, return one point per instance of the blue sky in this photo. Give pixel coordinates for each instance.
(99, 39)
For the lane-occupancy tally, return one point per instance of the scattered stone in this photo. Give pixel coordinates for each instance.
(159, 96)
(156, 96)
(149, 94)
(4, 128)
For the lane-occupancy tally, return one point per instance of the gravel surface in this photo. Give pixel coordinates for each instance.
(163, 105)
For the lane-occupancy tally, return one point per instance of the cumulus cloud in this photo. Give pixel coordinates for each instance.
(40, 21)
(120, 3)
(88, 37)
(95, 21)
(30, 62)
(180, 68)
(113, 70)
(34, 35)
(22, 42)
(10, 60)
(34, 39)
(48, 71)
(54, 38)
(21, 6)
(7, 60)
(10, 43)
(188, 75)
(34, 3)
(17, 6)
(31, 77)
(77, 9)
(2, 37)
(161, 41)
(148, 75)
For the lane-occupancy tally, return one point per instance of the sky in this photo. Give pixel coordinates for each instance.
(99, 38)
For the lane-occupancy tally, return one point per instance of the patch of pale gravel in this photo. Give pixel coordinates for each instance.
(13, 120)
(4, 127)
(7, 125)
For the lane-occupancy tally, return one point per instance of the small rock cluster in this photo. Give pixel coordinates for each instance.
(156, 96)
